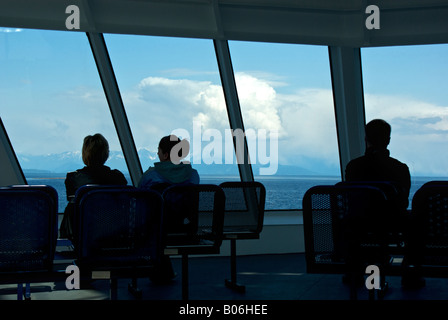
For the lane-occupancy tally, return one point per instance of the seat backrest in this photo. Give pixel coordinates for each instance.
(430, 211)
(118, 225)
(28, 227)
(336, 216)
(160, 187)
(396, 205)
(389, 188)
(193, 213)
(435, 183)
(244, 208)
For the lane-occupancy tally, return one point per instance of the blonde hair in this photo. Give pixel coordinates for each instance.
(95, 150)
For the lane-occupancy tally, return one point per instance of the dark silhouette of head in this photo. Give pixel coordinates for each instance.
(166, 144)
(95, 150)
(378, 134)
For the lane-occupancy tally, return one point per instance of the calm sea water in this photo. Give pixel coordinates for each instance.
(282, 192)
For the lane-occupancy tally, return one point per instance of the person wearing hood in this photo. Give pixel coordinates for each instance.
(169, 171)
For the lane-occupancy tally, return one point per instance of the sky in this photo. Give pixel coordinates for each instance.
(52, 96)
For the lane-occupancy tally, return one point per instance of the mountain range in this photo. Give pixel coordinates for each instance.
(72, 160)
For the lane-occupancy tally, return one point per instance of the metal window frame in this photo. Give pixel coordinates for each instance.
(348, 97)
(233, 106)
(116, 106)
(11, 170)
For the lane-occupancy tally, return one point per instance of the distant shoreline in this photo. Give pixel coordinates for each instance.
(54, 175)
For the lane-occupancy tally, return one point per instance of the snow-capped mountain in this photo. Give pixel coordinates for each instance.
(69, 161)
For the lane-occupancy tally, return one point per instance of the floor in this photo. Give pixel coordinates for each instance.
(266, 277)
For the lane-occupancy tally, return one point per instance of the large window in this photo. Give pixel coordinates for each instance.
(51, 99)
(172, 85)
(406, 86)
(285, 94)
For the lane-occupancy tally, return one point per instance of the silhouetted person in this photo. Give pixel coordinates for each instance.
(169, 171)
(95, 152)
(377, 165)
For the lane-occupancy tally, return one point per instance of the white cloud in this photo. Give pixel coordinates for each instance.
(304, 119)
(161, 105)
(203, 101)
(308, 118)
(419, 131)
(259, 103)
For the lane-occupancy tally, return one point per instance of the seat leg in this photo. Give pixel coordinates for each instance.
(27, 294)
(28, 291)
(20, 291)
(185, 276)
(384, 286)
(353, 287)
(379, 293)
(113, 289)
(232, 283)
(134, 289)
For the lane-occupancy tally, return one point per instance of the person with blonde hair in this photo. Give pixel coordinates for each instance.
(95, 152)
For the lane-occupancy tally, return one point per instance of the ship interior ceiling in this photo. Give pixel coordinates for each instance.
(344, 30)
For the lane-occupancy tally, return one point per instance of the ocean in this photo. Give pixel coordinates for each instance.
(282, 192)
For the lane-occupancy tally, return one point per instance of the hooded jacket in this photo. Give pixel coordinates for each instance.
(168, 172)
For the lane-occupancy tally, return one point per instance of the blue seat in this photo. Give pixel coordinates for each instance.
(346, 228)
(28, 234)
(118, 230)
(397, 213)
(193, 218)
(430, 214)
(243, 218)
